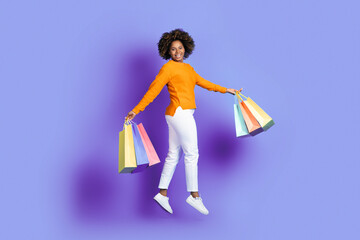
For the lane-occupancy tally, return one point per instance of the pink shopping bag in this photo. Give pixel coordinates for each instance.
(150, 150)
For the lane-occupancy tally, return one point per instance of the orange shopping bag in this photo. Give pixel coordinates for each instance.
(252, 125)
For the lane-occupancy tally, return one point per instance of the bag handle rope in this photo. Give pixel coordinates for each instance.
(128, 122)
(237, 94)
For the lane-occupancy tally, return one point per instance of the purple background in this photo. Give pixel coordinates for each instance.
(71, 70)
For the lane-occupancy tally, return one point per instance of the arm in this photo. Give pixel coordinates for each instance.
(155, 88)
(200, 81)
(211, 86)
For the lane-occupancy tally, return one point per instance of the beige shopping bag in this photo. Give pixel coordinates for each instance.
(261, 116)
(127, 158)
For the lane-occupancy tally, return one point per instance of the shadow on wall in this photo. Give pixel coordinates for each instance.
(94, 191)
(218, 144)
(141, 71)
(99, 193)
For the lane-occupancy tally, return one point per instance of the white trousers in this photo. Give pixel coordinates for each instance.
(182, 133)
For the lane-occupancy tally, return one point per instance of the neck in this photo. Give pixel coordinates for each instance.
(177, 61)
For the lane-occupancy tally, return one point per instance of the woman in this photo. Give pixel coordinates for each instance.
(180, 79)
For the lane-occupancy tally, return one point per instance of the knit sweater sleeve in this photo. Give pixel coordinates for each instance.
(155, 88)
(200, 81)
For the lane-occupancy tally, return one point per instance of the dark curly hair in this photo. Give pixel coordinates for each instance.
(177, 34)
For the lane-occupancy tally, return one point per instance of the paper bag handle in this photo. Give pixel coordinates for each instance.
(128, 122)
(237, 94)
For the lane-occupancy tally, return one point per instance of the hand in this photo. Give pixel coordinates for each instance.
(130, 116)
(232, 91)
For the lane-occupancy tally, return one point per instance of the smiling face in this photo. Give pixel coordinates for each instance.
(177, 51)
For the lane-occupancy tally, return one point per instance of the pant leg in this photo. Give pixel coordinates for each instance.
(172, 158)
(184, 125)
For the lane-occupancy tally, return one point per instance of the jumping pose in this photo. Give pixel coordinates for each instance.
(180, 79)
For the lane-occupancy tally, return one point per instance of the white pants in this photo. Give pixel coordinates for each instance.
(182, 133)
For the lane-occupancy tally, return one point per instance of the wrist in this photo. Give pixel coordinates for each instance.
(134, 111)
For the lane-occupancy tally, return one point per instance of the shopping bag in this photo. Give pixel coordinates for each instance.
(142, 160)
(261, 116)
(127, 159)
(252, 125)
(240, 125)
(150, 150)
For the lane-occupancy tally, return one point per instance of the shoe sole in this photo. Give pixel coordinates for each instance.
(197, 209)
(162, 207)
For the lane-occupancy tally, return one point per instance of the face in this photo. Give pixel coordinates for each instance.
(177, 51)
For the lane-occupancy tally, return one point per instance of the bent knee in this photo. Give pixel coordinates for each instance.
(191, 156)
(173, 157)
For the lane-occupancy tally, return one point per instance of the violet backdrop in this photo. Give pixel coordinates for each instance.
(71, 70)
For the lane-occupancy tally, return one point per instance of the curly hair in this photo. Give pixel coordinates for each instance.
(177, 34)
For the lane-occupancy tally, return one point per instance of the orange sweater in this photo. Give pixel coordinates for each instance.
(180, 79)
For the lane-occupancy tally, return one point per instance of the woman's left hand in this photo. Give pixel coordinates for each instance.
(130, 116)
(232, 91)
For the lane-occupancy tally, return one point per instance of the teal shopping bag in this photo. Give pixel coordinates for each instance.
(240, 126)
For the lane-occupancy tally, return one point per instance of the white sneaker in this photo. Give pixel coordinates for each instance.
(197, 204)
(163, 201)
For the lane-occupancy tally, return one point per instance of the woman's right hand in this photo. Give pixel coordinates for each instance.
(232, 91)
(130, 116)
